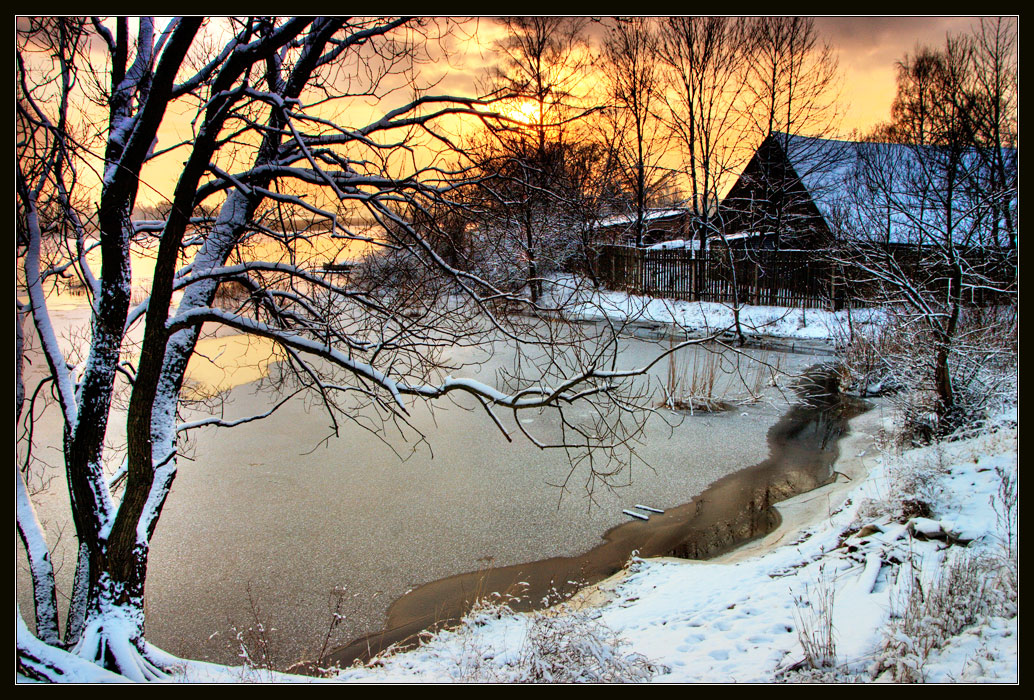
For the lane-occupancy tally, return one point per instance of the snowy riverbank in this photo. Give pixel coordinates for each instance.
(758, 619)
(579, 300)
(842, 590)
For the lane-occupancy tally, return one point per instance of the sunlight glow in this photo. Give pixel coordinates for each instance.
(523, 111)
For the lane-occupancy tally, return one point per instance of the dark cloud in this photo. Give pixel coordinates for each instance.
(872, 42)
(869, 32)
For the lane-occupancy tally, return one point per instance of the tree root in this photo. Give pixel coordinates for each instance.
(43, 662)
(106, 652)
(108, 644)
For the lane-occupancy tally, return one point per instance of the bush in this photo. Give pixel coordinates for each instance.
(576, 647)
(912, 487)
(559, 645)
(898, 358)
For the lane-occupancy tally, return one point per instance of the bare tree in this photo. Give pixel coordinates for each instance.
(706, 62)
(792, 90)
(540, 80)
(793, 77)
(991, 110)
(928, 232)
(273, 151)
(630, 51)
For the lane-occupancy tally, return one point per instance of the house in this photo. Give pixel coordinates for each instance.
(779, 197)
(806, 193)
(658, 225)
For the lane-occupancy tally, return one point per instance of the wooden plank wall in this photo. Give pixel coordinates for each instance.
(790, 278)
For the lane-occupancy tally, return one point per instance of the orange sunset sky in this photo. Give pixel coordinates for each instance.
(866, 47)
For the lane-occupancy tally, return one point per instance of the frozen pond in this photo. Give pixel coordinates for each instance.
(270, 517)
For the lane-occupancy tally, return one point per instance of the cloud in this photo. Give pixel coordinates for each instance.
(872, 41)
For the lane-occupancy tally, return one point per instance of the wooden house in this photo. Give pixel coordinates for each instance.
(807, 193)
(659, 225)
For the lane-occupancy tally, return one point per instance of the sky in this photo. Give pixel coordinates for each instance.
(867, 49)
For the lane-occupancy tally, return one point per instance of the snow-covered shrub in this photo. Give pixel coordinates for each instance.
(899, 357)
(929, 612)
(863, 351)
(576, 647)
(912, 485)
(557, 645)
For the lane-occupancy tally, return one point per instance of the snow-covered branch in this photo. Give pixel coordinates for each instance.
(224, 423)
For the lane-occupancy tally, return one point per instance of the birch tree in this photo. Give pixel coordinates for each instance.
(274, 155)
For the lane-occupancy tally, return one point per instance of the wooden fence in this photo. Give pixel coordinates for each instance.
(791, 278)
(767, 277)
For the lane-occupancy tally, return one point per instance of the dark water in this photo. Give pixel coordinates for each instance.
(732, 511)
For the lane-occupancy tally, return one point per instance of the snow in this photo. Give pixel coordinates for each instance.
(738, 621)
(650, 215)
(697, 318)
(738, 618)
(848, 560)
(692, 244)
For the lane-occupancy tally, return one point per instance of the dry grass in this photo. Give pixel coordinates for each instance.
(927, 614)
(560, 645)
(813, 613)
(691, 383)
(714, 381)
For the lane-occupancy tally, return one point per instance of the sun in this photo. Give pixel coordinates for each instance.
(523, 111)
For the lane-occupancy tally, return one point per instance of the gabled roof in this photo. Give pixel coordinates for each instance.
(823, 166)
(899, 192)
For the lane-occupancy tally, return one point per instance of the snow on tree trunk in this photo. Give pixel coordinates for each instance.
(40, 567)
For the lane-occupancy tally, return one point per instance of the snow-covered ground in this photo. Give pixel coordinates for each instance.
(698, 318)
(843, 591)
(843, 583)
(905, 569)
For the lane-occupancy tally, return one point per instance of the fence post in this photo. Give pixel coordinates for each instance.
(756, 283)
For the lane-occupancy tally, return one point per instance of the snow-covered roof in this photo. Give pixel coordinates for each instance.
(899, 192)
(741, 235)
(651, 215)
(692, 244)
